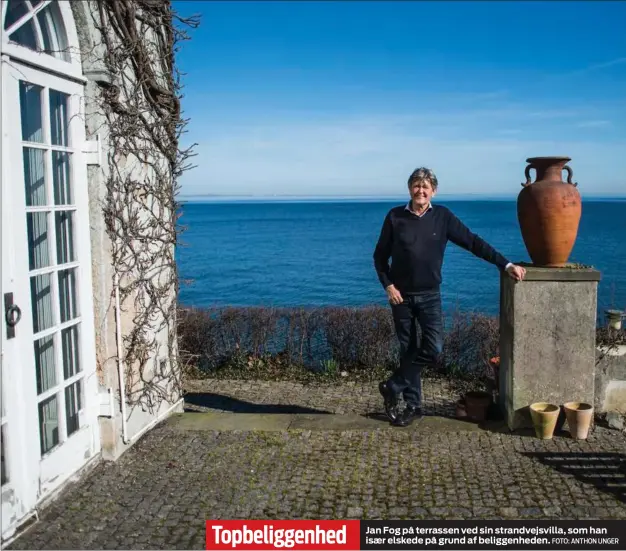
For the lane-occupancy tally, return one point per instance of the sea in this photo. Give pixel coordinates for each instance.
(318, 252)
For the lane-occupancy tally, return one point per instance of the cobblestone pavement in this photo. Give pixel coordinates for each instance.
(160, 492)
(439, 397)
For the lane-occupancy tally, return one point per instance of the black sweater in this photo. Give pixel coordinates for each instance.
(416, 246)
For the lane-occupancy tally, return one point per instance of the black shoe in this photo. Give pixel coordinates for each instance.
(408, 416)
(391, 400)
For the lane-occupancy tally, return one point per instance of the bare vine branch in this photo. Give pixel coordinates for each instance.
(142, 109)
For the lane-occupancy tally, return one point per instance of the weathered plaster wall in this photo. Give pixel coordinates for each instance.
(138, 418)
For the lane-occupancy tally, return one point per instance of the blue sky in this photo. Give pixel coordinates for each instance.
(347, 98)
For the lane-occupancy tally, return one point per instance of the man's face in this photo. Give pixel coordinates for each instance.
(421, 193)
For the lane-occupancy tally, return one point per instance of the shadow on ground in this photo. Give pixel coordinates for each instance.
(226, 403)
(604, 471)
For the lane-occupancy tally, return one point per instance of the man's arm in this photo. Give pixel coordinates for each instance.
(460, 235)
(383, 252)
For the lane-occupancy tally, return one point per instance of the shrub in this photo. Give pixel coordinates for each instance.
(608, 337)
(331, 340)
(471, 339)
(287, 342)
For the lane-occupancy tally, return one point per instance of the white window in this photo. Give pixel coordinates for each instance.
(42, 32)
(38, 25)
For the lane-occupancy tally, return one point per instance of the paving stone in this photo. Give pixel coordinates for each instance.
(354, 512)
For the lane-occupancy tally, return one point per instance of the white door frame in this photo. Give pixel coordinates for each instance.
(13, 491)
(34, 477)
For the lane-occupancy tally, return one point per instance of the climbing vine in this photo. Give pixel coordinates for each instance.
(141, 106)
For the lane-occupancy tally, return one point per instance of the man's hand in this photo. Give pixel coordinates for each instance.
(394, 295)
(516, 272)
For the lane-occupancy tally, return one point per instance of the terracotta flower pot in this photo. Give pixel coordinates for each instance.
(476, 405)
(494, 364)
(460, 410)
(544, 418)
(548, 211)
(579, 417)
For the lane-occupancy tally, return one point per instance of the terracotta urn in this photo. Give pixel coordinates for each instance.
(548, 211)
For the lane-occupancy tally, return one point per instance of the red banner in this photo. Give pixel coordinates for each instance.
(283, 534)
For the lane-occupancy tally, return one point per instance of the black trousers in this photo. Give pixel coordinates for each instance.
(422, 308)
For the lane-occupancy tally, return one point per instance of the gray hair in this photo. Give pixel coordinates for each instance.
(423, 174)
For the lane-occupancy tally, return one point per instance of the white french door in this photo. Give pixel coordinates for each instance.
(49, 385)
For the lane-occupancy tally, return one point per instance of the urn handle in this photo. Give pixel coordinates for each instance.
(527, 175)
(570, 174)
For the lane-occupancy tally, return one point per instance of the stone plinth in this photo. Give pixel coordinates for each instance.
(547, 339)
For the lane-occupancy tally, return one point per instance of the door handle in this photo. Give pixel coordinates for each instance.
(12, 314)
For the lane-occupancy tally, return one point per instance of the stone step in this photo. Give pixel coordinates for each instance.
(228, 421)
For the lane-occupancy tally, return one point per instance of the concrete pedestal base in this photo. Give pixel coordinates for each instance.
(547, 339)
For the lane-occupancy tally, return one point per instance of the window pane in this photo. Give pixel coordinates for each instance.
(48, 424)
(71, 360)
(38, 249)
(15, 10)
(53, 30)
(34, 177)
(41, 297)
(30, 108)
(26, 35)
(47, 47)
(67, 295)
(58, 117)
(44, 364)
(73, 406)
(64, 223)
(53, 39)
(61, 178)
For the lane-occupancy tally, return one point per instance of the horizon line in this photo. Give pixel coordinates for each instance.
(378, 197)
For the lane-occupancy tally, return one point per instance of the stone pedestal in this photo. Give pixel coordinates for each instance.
(547, 339)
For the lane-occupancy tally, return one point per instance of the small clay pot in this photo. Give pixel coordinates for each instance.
(476, 405)
(544, 417)
(579, 418)
(614, 319)
(461, 413)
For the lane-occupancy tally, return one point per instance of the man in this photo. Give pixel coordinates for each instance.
(415, 237)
